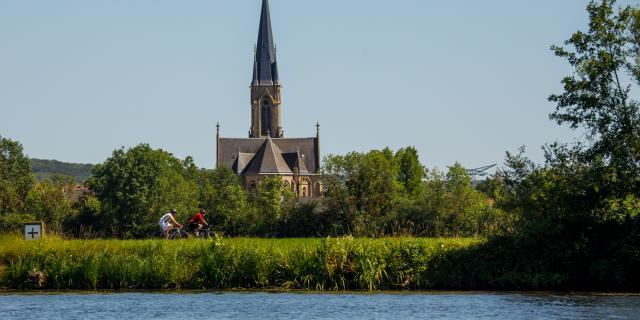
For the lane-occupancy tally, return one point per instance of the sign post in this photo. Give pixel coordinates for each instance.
(33, 230)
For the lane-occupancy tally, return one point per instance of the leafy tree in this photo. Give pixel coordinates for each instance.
(449, 206)
(363, 187)
(411, 172)
(370, 179)
(50, 202)
(221, 194)
(137, 186)
(597, 99)
(577, 214)
(16, 180)
(271, 200)
(88, 222)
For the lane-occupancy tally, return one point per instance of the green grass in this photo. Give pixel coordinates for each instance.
(312, 264)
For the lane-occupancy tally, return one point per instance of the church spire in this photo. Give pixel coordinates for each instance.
(265, 71)
(265, 87)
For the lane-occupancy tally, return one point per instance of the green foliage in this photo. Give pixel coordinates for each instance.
(449, 206)
(16, 180)
(410, 171)
(270, 202)
(89, 221)
(597, 98)
(578, 215)
(137, 186)
(308, 219)
(378, 193)
(362, 186)
(49, 201)
(221, 194)
(43, 169)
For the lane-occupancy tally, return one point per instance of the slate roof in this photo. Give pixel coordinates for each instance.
(265, 66)
(268, 155)
(268, 160)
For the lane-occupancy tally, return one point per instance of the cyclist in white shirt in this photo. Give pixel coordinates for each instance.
(167, 222)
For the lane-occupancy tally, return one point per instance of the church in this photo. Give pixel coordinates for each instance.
(266, 153)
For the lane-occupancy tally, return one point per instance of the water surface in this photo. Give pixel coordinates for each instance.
(352, 306)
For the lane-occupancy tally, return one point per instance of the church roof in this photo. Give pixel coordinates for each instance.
(265, 67)
(243, 160)
(268, 155)
(268, 160)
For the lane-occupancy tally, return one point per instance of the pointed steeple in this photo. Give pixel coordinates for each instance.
(265, 71)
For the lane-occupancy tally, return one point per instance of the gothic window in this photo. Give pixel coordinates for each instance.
(266, 117)
(304, 192)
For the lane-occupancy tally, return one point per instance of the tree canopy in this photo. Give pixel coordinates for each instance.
(137, 185)
(16, 180)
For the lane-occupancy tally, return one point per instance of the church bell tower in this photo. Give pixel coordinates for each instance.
(265, 87)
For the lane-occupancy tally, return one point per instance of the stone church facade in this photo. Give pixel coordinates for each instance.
(266, 153)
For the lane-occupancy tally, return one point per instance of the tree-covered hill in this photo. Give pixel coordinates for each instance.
(45, 168)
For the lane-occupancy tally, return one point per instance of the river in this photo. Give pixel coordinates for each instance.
(351, 306)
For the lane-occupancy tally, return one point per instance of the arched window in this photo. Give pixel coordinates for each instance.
(252, 186)
(305, 187)
(286, 184)
(318, 188)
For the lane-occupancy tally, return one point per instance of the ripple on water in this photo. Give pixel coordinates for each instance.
(351, 306)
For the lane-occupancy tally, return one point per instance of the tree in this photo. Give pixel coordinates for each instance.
(271, 200)
(137, 185)
(50, 202)
(597, 99)
(362, 187)
(411, 172)
(16, 180)
(221, 194)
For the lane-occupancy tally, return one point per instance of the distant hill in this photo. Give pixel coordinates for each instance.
(45, 168)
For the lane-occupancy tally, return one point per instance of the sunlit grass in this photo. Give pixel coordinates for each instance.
(309, 263)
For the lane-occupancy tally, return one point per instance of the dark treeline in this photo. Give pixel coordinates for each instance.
(44, 169)
(572, 222)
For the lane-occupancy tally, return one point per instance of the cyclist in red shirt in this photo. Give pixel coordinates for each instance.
(197, 222)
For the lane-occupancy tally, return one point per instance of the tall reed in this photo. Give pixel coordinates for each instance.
(315, 264)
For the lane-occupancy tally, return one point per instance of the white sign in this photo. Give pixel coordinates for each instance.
(32, 231)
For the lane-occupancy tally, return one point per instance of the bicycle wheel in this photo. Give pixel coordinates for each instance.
(179, 234)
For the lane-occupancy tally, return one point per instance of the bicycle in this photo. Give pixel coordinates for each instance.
(175, 233)
(205, 233)
(178, 233)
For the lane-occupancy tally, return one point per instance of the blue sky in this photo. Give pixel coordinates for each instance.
(460, 80)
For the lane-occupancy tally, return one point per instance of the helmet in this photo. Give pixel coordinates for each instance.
(173, 210)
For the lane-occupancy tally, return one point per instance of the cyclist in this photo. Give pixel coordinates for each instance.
(196, 223)
(166, 223)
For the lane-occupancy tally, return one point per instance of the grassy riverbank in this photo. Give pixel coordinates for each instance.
(316, 264)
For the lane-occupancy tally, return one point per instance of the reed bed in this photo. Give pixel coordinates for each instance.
(242, 263)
